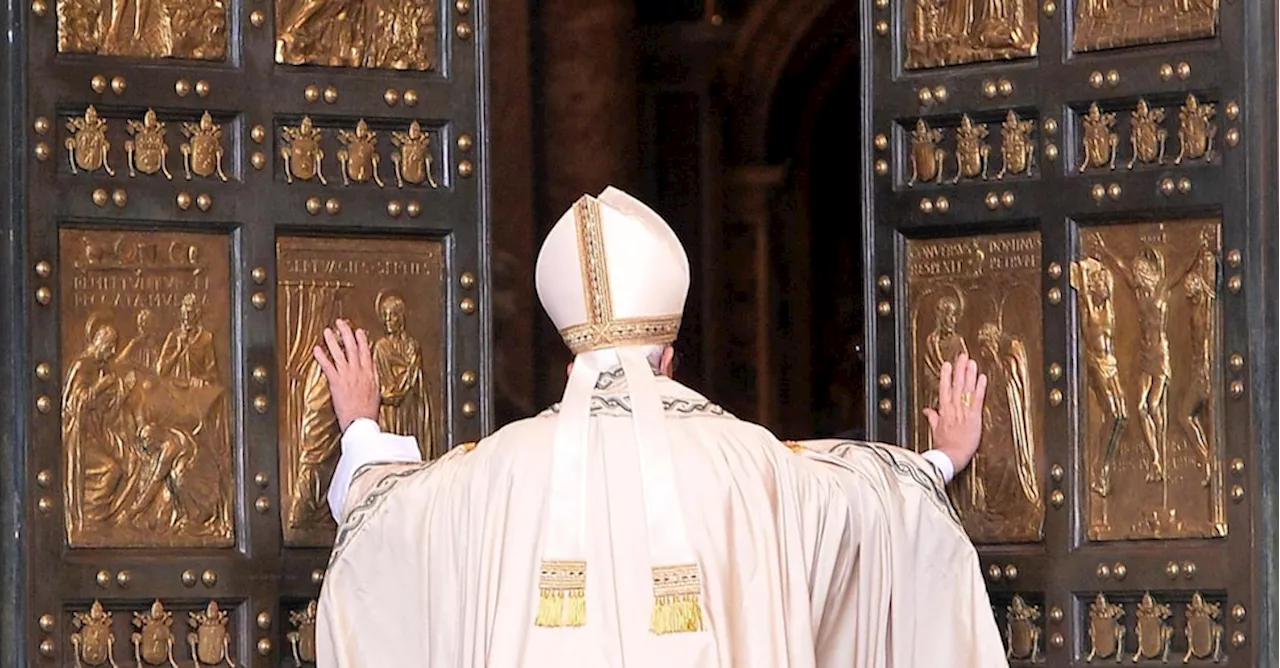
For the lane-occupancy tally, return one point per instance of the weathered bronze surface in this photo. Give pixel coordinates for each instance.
(1022, 631)
(972, 151)
(209, 639)
(337, 33)
(1017, 150)
(359, 155)
(87, 147)
(1106, 630)
(1112, 24)
(953, 32)
(1204, 633)
(393, 288)
(1146, 136)
(1153, 632)
(148, 151)
(413, 161)
(153, 641)
(1099, 139)
(190, 29)
(202, 153)
(927, 158)
(1196, 131)
(1149, 480)
(980, 294)
(303, 638)
(146, 411)
(94, 640)
(301, 152)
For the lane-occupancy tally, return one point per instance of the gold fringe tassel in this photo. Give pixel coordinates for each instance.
(677, 600)
(562, 599)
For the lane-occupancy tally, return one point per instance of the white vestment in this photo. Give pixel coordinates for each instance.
(826, 553)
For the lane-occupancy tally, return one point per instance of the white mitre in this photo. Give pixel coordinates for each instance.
(613, 277)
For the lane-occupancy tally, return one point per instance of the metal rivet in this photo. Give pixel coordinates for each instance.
(314, 205)
(44, 269)
(258, 160)
(1237, 389)
(103, 579)
(1233, 111)
(1055, 371)
(1056, 640)
(118, 85)
(989, 89)
(46, 647)
(391, 96)
(44, 296)
(119, 197)
(413, 208)
(39, 7)
(463, 31)
(1236, 361)
(465, 142)
(1237, 466)
(262, 504)
(1055, 295)
(45, 504)
(467, 280)
(264, 620)
(1119, 571)
(1184, 70)
(1055, 397)
(123, 579)
(1103, 572)
(882, 4)
(1237, 639)
(1184, 185)
(44, 404)
(1006, 87)
(885, 381)
(317, 576)
(1233, 257)
(1096, 79)
(942, 204)
(259, 300)
(994, 573)
(1051, 152)
(264, 646)
(1113, 191)
(993, 201)
(333, 206)
(1051, 126)
(884, 283)
(1011, 572)
(209, 578)
(41, 125)
(182, 87)
(466, 169)
(1056, 472)
(410, 97)
(44, 371)
(926, 205)
(100, 197)
(260, 404)
(1006, 199)
(98, 83)
(1172, 570)
(1167, 186)
(42, 151)
(884, 308)
(1233, 137)
(1054, 270)
(1237, 493)
(44, 478)
(1233, 284)
(204, 202)
(925, 96)
(1166, 72)
(881, 142)
(258, 134)
(885, 406)
(258, 275)
(940, 93)
(882, 27)
(1057, 498)
(260, 479)
(882, 167)
(330, 94)
(1188, 569)
(1055, 615)
(257, 18)
(468, 306)
(1113, 78)
(394, 208)
(1097, 192)
(1238, 613)
(468, 410)
(188, 578)
(47, 623)
(469, 378)
(311, 93)
(183, 200)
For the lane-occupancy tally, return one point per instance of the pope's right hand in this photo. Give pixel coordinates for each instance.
(956, 423)
(353, 379)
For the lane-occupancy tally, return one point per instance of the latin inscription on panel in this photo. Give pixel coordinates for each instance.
(187, 29)
(953, 32)
(146, 410)
(384, 35)
(1147, 298)
(1111, 24)
(390, 287)
(981, 295)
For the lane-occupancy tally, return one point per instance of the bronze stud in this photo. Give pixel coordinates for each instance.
(1096, 79)
(258, 160)
(44, 371)
(1010, 572)
(1233, 110)
(189, 578)
(1055, 295)
(1006, 87)
(1184, 185)
(1167, 187)
(182, 87)
(882, 167)
(39, 7)
(264, 646)
(926, 206)
(1054, 270)
(183, 200)
(468, 410)
(45, 504)
(1188, 569)
(468, 305)
(463, 6)
(103, 579)
(1006, 199)
(1113, 78)
(1051, 126)
(1055, 638)
(257, 18)
(885, 381)
(262, 505)
(1233, 137)
(44, 296)
(1056, 472)
(1055, 397)
(391, 96)
(410, 97)
(884, 308)
(1236, 362)
(1238, 613)
(44, 404)
(881, 142)
(1233, 257)
(119, 197)
(1103, 572)
(260, 479)
(317, 576)
(98, 83)
(47, 648)
(118, 85)
(394, 208)
(260, 374)
(993, 201)
(1098, 192)
(1119, 571)
(1055, 371)
(942, 204)
(1172, 570)
(42, 151)
(259, 300)
(264, 620)
(1166, 72)
(465, 142)
(333, 206)
(882, 27)
(989, 89)
(882, 4)
(1233, 284)
(1113, 191)
(1237, 466)
(44, 478)
(1184, 70)
(467, 280)
(258, 134)
(123, 579)
(994, 572)
(413, 208)
(203, 88)
(1237, 639)
(926, 96)
(469, 378)
(100, 197)
(465, 169)
(314, 205)
(1055, 615)
(330, 95)
(1051, 152)
(463, 31)
(44, 269)
(258, 275)
(47, 623)
(885, 406)
(940, 93)
(209, 578)
(204, 202)
(884, 282)
(41, 125)
(311, 93)
(1236, 389)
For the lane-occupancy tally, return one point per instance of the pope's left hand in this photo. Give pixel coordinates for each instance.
(957, 421)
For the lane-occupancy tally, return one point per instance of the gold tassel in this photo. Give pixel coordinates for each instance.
(677, 602)
(562, 599)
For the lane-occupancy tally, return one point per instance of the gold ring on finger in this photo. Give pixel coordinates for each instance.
(966, 398)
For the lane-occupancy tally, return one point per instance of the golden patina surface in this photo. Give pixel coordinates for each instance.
(302, 640)
(954, 32)
(981, 295)
(146, 409)
(185, 29)
(393, 289)
(1106, 630)
(1112, 24)
(341, 33)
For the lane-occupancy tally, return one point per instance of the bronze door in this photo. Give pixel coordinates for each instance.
(205, 185)
(1063, 191)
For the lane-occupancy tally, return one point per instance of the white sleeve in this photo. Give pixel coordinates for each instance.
(364, 443)
(941, 462)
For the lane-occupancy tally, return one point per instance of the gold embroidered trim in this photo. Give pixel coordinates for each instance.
(677, 604)
(562, 599)
(796, 446)
(602, 330)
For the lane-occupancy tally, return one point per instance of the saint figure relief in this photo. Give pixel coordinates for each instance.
(92, 399)
(397, 356)
(1095, 283)
(944, 344)
(188, 352)
(1200, 285)
(171, 490)
(1008, 367)
(318, 448)
(143, 350)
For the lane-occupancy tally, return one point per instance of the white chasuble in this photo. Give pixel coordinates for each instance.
(826, 553)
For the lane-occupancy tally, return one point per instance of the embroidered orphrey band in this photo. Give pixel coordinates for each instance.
(562, 599)
(602, 330)
(677, 599)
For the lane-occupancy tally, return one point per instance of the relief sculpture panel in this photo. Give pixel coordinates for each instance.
(1113, 24)
(185, 29)
(146, 410)
(383, 34)
(1152, 458)
(980, 295)
(393, 289)
(954, 32)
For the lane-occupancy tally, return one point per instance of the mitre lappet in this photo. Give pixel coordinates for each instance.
(613, 277)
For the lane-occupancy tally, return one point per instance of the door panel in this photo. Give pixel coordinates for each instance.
(1060, 187)
(207, 185)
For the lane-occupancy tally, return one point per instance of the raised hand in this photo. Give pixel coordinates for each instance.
(957, 421)
(353, 380)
